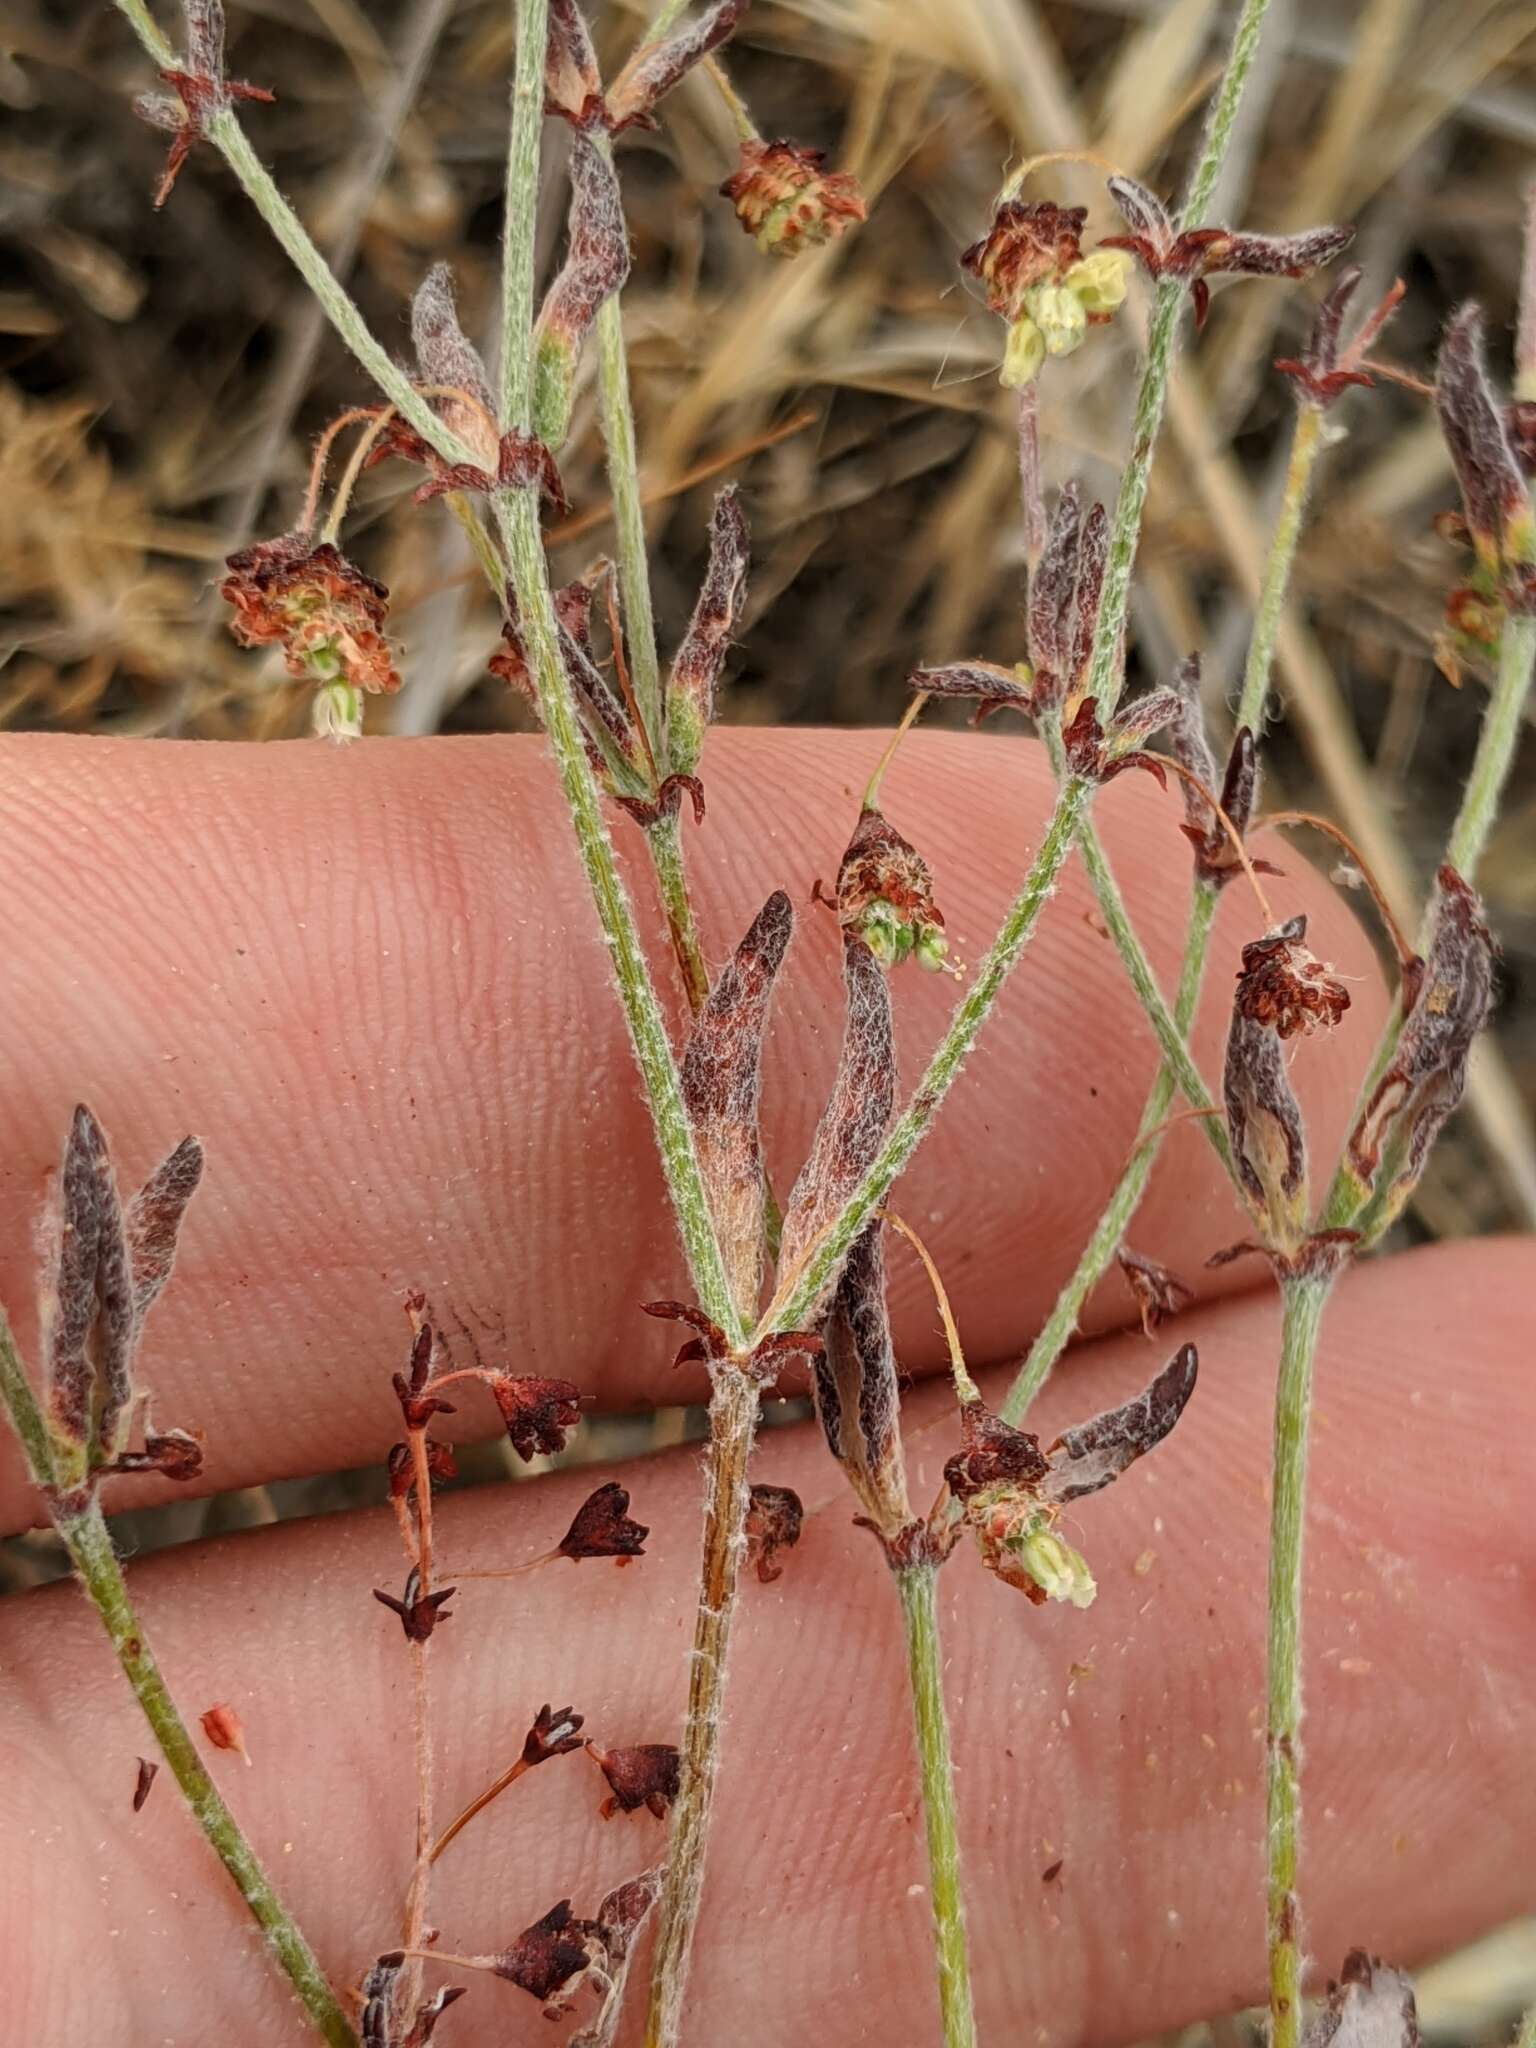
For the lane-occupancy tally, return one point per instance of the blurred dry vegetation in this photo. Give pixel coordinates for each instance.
(162, 376)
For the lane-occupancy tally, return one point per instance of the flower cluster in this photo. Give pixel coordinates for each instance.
(787, 202)
(1036, 276)
(325, 614)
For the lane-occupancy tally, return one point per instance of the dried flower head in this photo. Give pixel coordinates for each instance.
(1159, 1294)
(419, 1612)
(1037, 278)
(555, 1732)
(539, 1413)
(401, 1467)
(1199, 253)
(327, 616)
(225, 1730)
(202, 89)
(1099, 753)
(1011, 1491)
(786, 201)
(602, 1528)
(646, 1774)
(775, 1516)
(1447, 997)
(381, 2022)
(885, 896)
(1285, 987)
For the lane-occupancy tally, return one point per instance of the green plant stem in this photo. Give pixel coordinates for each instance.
(1307, 442)
(78, 1519)
(617, 416)
(1105, 668)
(664, 840)
(1303, 1302)
(1502, 724)
(520, 213)
(915, 1587)
(1057, 1330)
(733, 1411)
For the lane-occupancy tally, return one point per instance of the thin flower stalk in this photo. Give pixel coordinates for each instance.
(1105, 669)
(88, 1541)
(1303, 1304)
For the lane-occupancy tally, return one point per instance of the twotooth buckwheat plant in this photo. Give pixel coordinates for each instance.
(772, 1278)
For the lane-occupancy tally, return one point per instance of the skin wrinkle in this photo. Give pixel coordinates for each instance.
(813, 1878)
(522, 1190)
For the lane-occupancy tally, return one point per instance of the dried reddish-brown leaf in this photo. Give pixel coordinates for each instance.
(1064, 597)
(658, 66)
(855, 1387)
(619, 1920)
(573, 87)
(1325, 368)
(202, 87)
(225, 1730)
(1427, 1075)
(602, 1528)
(546, 1957)
(149, 1770)
(1264, 1124)
(1087, 1457)
(173, 1453)
(87, 1194)
(447, 358)
(1159, 1294)
(994, 688)
(645, 1774)
(419, 1612)
(775, 1516)
(596, 265)
(539, 1413)
(856, 1116)
(716, 616)
(1216, 858)
(721, 1083)
(154, 1218)
(1199, 253)
(1493, 490)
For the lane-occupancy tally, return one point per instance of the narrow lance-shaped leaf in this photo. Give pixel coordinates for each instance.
(448, 360)
(1428, 1072)
(854, 1382)
(716, 616)
(1089, 1456)
(1493, 492)
(596, 265)
(154, 1221)
(573, 86)
(85, 1190)
(658, 66)
(722, 1080)
(855, 1119)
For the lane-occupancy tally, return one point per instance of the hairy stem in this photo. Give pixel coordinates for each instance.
(915, 1586)
(1307, 442)
(1105, 671)
(1502, 723)
(1057, 1330)
(733, 1411)
(664, 839)
(1303, 1303)
(86, 1537)
(618, 425)
(89, 1544)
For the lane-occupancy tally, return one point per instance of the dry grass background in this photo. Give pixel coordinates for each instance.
(161, 376)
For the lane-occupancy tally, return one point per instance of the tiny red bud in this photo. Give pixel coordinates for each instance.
(225, 1730)
(148, 1772)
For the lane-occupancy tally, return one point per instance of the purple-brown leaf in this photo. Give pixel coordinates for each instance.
(1089, 1456)
(855, 1386)
(658, 66)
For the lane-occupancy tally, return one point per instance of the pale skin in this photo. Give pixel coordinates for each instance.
(370, 982)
